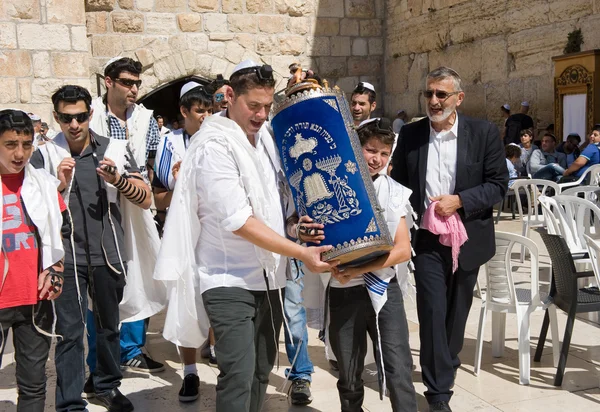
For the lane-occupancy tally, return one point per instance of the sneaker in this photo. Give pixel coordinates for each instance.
(333, 365)
(300, 392)
(114, 400)
(190, 388)
(142, 363)
(88, 389)
(212, 361)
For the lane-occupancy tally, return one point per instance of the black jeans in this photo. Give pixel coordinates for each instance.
(31, 353)
(443, 303)
(106, 288)
(246, 331)
(351, 317)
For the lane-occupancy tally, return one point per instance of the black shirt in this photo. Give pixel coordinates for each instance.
(88, 205)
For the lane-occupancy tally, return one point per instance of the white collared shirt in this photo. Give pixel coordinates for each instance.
(441, 162)
(226, 259)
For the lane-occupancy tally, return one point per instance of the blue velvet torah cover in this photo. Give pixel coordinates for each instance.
(329, 178)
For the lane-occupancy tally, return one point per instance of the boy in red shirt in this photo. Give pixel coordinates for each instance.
(31, 263)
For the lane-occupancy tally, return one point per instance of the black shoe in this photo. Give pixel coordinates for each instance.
(114, 401)
(212, 361)
(333, 365)
(88, 389)
(143, 363)
(300, 392)
(190, 388)
(441, 406)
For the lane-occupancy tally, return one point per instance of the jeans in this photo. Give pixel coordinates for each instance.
(246, 330)
(552, 171)
(106, 287)
(31, 353)
(352, 317)
(133, 338)
(296, 318)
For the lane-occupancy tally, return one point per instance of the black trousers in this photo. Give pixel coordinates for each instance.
(443, 303)
(352, 317)
(246, 331)
(31, 353)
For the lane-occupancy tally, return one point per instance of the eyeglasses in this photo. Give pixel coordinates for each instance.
(264, 72)
(440, 94)
(129, 82)
(68, 118)
(219, 97)
(15, 117)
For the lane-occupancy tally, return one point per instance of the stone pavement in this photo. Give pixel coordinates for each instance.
(495, 389)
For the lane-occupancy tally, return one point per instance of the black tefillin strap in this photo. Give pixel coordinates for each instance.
(264, 72)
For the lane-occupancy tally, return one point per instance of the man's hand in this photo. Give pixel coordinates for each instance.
(65, 172)
(108, 171)
(48, 290)
(447, 205)
(308, 231)
(312, 259)
(345, 275)
(175, 169)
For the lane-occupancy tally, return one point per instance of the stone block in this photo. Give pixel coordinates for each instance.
(521, 16)
(203, 65)
(65, 11)
(96, 22)
(133, 42)
(15, 63)
(332, 67)
(360, 47)
(292, 44)
(242, 23)
(144, 5)
(126, 4)
(396, 74)
(340, 46)
(567, 10)
(297, 8)
(170, 6)
(145, 57)
(8, 36)
(127, 22)
(219, 66)
(427, 32)
(347, 84)
(364, 66)
(41, 65)
(596, 5)
(221, 36)
(327, 26)
(43, 37)
(189, 22)
(204, 5)
(371, 27)
(99, 5)
(589, 28)
(79, 40)
(474, 102)
(495, 61)
(319, 46)
(21, 9)
(214, 22)
(107, 46)
(245, 40)
(43, 89)
(24, 90)
(160, 23)
(234, 52)
(417, 72)
(349, 27)
(70, 64)
(331, 8)
(8, 90)
(232, 6)
(299, 25)
(267, 44)
(409, 101)
(376, 47)
(496, 94)
(178, 43)
(475, 20)
(258, 6)
(360, 8)
(271, 24)
(466, 59)
(216, 49)
(197, 42)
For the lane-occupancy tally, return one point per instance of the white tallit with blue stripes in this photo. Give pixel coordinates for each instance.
(170, 150)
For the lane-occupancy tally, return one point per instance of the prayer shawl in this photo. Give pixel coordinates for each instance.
(186, 324)
(138, 122)
(450, 228)
(143, 296)
(171, 150)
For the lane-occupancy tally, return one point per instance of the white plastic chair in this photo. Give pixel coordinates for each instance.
(589, 192)
(593, 172)
(503, 296)
(533, 189)
(594, 251)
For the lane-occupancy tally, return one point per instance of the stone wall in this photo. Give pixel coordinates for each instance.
(43, 45)
(501, 48)
(341, 39)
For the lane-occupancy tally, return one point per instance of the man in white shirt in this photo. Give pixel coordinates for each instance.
(363, 102)
(227, 205)
(160, 121)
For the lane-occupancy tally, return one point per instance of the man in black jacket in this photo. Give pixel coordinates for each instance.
(458, 162)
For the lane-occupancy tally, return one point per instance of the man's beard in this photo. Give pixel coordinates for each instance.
(440, 117)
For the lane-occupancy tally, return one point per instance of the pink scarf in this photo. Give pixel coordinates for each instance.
(450, 228)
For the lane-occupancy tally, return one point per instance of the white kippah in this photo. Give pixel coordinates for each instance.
(525, 104)
(244, 65)
(111, 61)
(187, 87)
(368, 86)
(506, 106)
(33, 117)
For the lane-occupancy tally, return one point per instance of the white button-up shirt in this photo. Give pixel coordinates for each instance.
(226, 259)
(441, 163)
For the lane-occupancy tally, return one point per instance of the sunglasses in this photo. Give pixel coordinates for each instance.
(440, 94)
(219, 97)
(68, 118)
(129, 82)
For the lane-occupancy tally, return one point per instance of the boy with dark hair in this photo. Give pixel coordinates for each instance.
(363, 102)
(32, 258)
(93, 172)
